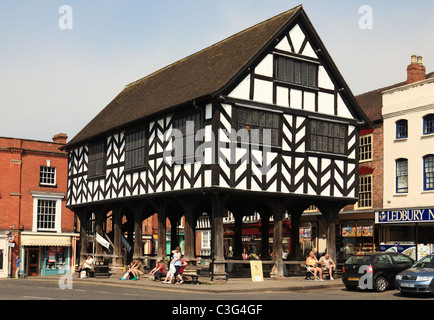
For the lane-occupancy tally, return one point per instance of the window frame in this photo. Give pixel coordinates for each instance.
(431, 177)
(56, 199)
(100, 156)
(275, 127)
(298, 66)
(142, 144)
(43, 176)
(368, 193)
(179, 122)
(403, 174)
(367, 145)
(326, 138)
(428, 123)
(401, 128)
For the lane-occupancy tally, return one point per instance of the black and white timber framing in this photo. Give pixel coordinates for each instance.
(278, 70)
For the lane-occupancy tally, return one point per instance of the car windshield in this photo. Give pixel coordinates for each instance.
(358, 259)
(426, 262)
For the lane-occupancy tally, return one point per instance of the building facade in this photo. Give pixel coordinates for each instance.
(36, 225)
(407, 218)
(259, 122)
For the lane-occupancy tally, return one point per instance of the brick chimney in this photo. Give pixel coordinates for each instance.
(416, 71)
(60, 138)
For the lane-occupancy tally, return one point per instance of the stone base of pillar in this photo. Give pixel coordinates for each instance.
(277, 271)
(219, 271)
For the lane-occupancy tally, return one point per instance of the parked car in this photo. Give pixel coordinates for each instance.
(417, 279)
(376, 270)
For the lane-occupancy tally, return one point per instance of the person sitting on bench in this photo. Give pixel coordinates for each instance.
(327, 264)
(312, 266)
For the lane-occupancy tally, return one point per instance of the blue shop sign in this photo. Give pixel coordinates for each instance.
(402, 216)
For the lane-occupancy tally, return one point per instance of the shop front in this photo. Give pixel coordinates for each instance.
(3, 257)
(48, 254)
(410, 231)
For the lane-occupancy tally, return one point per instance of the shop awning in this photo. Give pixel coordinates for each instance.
(46, 240)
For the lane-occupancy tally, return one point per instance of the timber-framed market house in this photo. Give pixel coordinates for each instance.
(259, 122)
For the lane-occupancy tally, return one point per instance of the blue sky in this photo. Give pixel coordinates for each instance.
(54, 80)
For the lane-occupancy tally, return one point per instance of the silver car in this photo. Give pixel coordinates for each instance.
(418, 279)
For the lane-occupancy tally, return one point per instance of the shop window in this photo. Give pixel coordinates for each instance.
(365, 148)
(428, 124)
(428, 174)
(402, 176)
(401, 129)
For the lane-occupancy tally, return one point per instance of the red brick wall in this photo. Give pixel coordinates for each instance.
(20, 162)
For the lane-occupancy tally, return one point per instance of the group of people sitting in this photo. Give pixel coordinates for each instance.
(174, 273)
(325, 263)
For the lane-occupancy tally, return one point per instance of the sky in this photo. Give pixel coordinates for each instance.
(59, 69)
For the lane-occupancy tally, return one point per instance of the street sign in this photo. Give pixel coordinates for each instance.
(11, 238)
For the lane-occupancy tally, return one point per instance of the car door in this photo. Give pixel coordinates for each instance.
(384, 265)
(401, 262)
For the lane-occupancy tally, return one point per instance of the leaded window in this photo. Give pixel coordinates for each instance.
(135, 144)
(328, 137)
(297, 71)
(188, 127)
(258, 127)
(96, 166)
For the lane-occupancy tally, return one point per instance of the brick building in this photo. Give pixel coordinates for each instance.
(32, 207)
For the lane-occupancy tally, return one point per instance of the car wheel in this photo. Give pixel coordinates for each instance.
(380, 284)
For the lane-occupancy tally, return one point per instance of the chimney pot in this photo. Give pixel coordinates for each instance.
(60, 138)
(416, 71)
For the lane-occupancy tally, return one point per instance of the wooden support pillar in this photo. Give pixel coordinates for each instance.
(174, 239)
(189, 233)
(99, 221)
(238, 237)
(265, 236)
(277, 271)
(117, 241)
(83, 216)
(162, 216)
(138, 226)
(219, 262)
(331, 212)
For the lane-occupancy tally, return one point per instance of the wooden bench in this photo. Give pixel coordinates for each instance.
(192, 272)
(101, 270)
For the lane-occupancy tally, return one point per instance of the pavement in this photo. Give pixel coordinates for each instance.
(231, 285)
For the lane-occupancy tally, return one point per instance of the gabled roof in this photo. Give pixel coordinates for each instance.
(372, 102)
(204, 74)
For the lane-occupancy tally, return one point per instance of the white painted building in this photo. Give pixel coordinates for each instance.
(408, 114)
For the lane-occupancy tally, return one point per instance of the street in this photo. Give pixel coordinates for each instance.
(81, 289)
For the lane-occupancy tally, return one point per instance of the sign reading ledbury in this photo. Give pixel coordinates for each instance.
(401, 216)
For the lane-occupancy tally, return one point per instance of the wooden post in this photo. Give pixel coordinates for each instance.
(117, 241)
(331, 212)
(238, 237)
(99, 220)
(189, 233)
(162, 216)
(138, 226)
(265, 236)
(277, 271)
(83, 217)
(219, 262)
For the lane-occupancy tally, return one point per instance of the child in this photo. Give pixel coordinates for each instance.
(170, 273)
